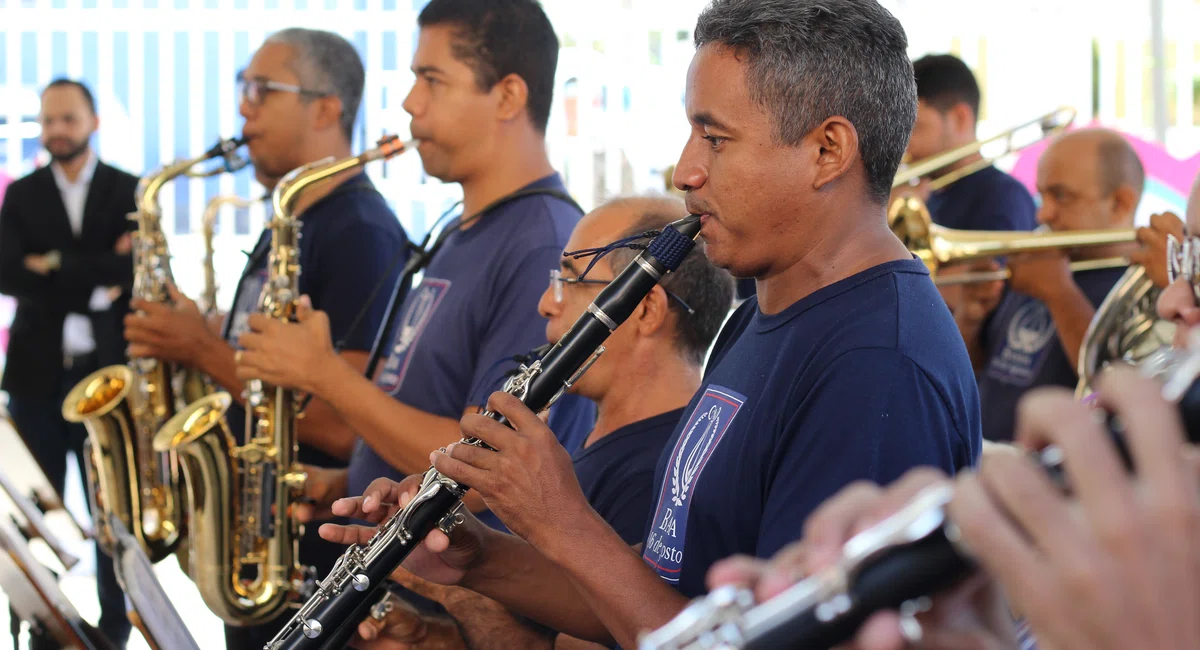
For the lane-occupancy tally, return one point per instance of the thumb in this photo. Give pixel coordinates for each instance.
(304, 308)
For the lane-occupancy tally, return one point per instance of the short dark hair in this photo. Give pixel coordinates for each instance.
(943, 81)
(497, 38)
(71, 83)
(707, 289)
(326, 62)
(809, 60)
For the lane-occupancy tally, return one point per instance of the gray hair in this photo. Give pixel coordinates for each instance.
(326, 62)
(810, 60)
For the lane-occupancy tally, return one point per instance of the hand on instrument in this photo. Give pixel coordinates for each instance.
(978, 299)
(439, 559)
(1116, 565)
(970, 616)
(1152, 253)
(530, 483)
(172, 332)
(1043, 275)
(292, 355)
(323, 486)
(402, 627)
(921, 190)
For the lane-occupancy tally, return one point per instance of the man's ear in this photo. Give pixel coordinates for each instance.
(962, 118)
(329, 112)
(653, 309)
(836, 143)
(512, 97)
(1125, 202)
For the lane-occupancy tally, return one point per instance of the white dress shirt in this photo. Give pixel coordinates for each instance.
(77, 328)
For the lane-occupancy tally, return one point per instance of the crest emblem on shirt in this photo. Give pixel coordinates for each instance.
(249, 297)
(419, 308)
(684, 469)
(1031, 328)
(701, 435)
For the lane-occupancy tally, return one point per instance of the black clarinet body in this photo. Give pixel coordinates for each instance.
(331, 615)
(896, 565)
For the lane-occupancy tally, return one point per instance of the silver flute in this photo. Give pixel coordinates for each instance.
(895, 565)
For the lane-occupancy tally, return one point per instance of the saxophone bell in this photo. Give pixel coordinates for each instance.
(101, 403)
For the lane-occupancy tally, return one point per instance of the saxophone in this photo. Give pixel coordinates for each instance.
(343, 598)
(208, 224)
(123, 406)
(242, 538)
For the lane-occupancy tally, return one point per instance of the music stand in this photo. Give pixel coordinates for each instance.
(35, 597)
(34, 484)
(152, 612)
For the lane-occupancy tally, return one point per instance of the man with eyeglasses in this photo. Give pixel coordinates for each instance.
(299, 95)
(480, 104)
(650, 369)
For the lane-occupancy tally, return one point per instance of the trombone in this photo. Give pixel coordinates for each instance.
(1050, 125)
(937, 246)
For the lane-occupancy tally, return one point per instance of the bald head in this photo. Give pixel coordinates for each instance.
(1110, 156)
(1090, 178)
(707, 290)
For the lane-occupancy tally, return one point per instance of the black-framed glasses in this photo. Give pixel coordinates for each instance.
(557, 281)
(254, 90)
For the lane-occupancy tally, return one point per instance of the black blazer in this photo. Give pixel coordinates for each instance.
(33, 220)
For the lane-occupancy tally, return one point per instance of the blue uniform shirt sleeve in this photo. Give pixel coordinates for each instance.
(353, 261)
(872, 416)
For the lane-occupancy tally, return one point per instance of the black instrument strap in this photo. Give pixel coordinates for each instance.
(419, 258)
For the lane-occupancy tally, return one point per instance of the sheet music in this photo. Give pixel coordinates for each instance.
(33, 591)
(137, 578)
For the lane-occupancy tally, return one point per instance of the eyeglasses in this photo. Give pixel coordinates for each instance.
(254, 91)
(557, 281)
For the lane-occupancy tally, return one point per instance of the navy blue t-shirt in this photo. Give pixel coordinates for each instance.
(1024, 352)
(989, 199)
(616, 472)
(348, 240)
(862, 380)
(474, 310)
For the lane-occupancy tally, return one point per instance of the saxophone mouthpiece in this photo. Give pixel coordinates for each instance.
(389, 146)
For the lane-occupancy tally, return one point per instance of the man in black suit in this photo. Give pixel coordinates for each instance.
(65, 256)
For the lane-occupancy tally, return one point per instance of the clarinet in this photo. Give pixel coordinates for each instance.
(895, 565)
(331, 615)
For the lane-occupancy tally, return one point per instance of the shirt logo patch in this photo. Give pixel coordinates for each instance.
(1023, 352)
(705, 428)
(248, 300)
(418, 309)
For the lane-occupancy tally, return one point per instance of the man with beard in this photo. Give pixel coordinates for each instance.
(65, 257)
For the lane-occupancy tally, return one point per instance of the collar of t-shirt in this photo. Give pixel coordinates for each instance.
(768, 322)
(632, 429)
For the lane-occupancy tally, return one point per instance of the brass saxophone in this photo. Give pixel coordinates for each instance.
(208, 224)
(242, 538)
(123, 406)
